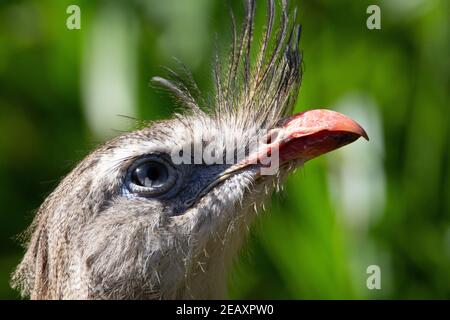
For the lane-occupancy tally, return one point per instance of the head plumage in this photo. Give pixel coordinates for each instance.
(260, 91)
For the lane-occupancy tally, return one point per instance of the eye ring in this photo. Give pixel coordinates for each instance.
(151, 176)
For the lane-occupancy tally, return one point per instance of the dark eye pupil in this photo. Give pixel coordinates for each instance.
(151, 174)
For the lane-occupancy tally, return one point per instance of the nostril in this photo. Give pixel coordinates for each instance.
(272, 136)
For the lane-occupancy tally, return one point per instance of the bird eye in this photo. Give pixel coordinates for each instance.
(151, 177)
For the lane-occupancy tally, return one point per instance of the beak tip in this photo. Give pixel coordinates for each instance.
(364, 134)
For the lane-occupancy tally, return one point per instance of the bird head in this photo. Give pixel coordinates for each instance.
(160, 212)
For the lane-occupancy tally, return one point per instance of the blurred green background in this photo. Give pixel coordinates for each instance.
(384, 203)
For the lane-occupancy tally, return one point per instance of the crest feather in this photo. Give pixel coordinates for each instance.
(260, 92)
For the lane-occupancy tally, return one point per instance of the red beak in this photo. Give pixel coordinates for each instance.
(312, 133)
(309, 134)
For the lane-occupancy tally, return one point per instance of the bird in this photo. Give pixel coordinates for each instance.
(162, 212)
